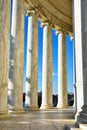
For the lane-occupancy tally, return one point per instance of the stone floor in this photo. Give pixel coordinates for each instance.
(39, 120)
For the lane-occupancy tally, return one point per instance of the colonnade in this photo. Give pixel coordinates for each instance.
(15, 67)
(31, 78)
(31, 98)
(46, 67)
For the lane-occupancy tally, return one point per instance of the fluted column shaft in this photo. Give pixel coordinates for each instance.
(4, 40)
(80, 31)
(74, 70)
(74, 75)
(11, 58)
(15, 79)
(78, 56)
(31, 99)
(62, 74)
(47, 69)
(29, 60)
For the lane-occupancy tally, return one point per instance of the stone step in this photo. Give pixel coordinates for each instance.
(72, 127)
(69, 126)
(75, 129)
(83, 126)
(82, 119)
(84, 113)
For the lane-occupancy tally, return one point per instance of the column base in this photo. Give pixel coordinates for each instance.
(4, 115)
(82, 116)
(46, 107)
(15, 110)
(62, 106)
(31, 108)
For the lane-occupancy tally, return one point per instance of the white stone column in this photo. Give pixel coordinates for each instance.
(74, 76)
(78, 55)
(4, 44)
(15, 79)
(62, 72)
(74, 71)
(80, 30)
(47, 69)
(29, 58)
(11, 55)
(31, 99)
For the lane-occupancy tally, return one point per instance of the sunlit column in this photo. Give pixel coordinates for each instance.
(47, 68)
(74, 75)
(80, 31)
(74, 69)
(11, 54)
(62, 71)
(29, 60)
(15, 79)
(31, 99)
(77, 18)
(4, 43)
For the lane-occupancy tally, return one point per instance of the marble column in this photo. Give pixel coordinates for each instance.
(15, 79)
(74, 71)
(11, 60)
(74, 76)
(31, 99)
(62, 72)
(78, 56)
(47, 68)
(80, 10)
(4, 44)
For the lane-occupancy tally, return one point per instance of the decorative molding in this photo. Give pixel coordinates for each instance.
(28, 12)
(71, 36)
(56, 15)
(61, 31)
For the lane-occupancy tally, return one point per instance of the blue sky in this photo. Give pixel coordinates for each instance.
(69, 56)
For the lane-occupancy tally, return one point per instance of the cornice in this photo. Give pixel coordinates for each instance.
(45, 10)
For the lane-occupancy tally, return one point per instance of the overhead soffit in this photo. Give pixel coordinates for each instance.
(58, 12)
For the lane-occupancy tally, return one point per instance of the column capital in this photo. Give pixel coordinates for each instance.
(44, 23)
(71, 36)
(29, 12)
(61, 31)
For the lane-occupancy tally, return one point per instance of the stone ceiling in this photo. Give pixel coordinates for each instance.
(57, 12)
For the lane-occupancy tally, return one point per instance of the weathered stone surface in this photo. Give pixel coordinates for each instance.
(62, 73)
(49, 68)
(4, 42)
(18, 57)
(83, 39)
(34, 68)
(15, 91)
(32, 63)
(40, 120)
